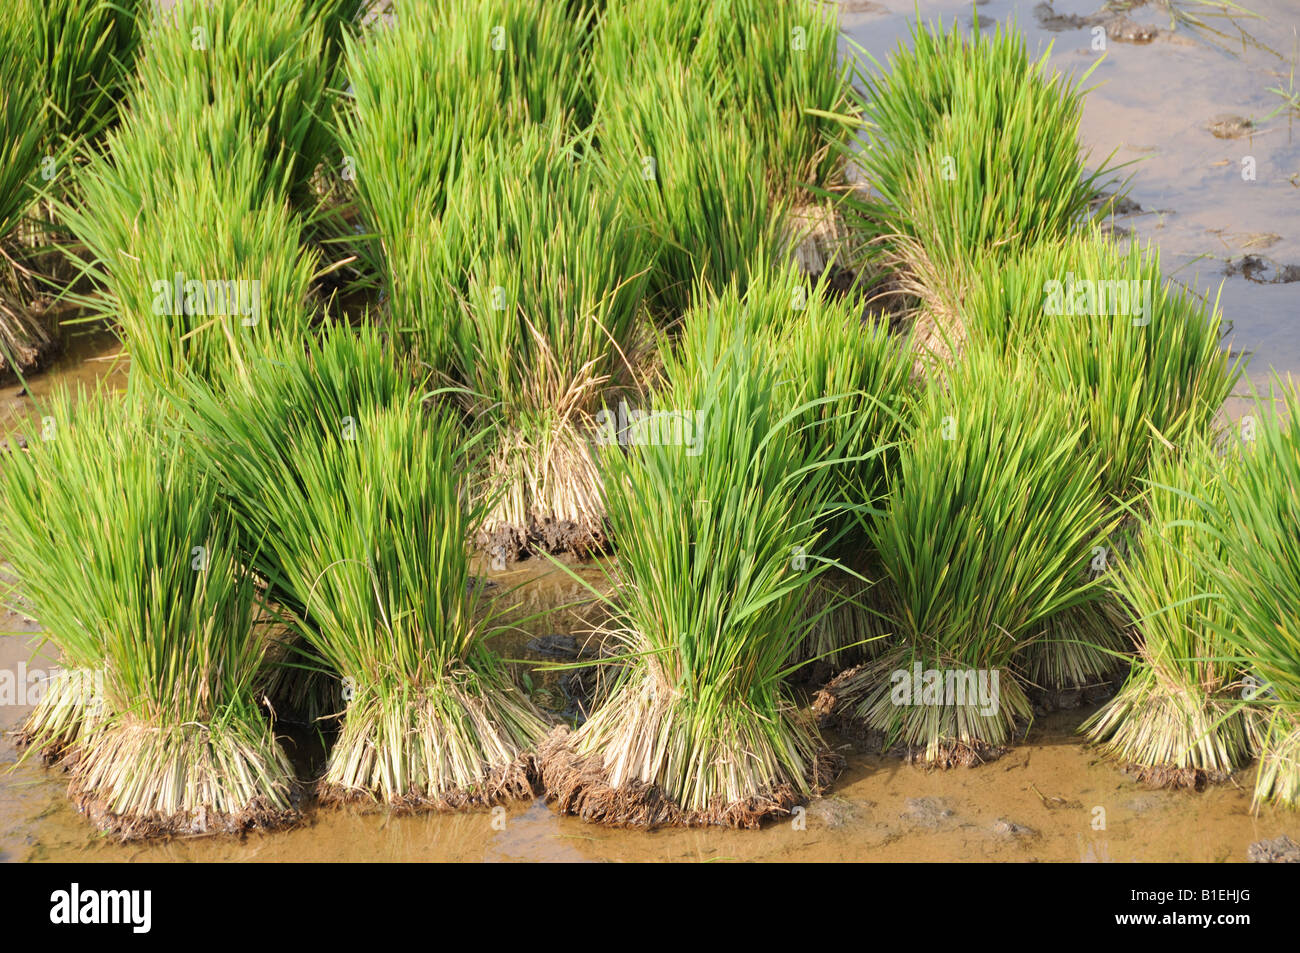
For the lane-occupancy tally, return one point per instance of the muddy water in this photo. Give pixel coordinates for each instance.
(89, 356)
(1159, 93)
(1039, 802)
(1154, 102)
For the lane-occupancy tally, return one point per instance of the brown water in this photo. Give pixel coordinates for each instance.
(1154, 103)
(89, 356)
(1039, 802)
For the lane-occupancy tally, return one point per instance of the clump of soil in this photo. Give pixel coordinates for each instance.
(1159, 776)
(1119, 27)
(509, 543)
(1262, 270)
(1123, 30)
(929, 812)
(1004, 827)
(1070, 698)
(1279, 850)
(1225, 126)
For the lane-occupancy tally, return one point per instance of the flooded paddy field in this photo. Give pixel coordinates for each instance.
(1215, 184)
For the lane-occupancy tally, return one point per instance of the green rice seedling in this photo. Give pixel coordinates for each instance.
(829, 348)
(366, 521)
(536, 298)
(429, 91)
(973, 148)
(70, 60)
(1288, 94)
(351, 369)
(1142, 356)
(1179, 718)
(409, 122)
(25, 341)
(825, 346)
(538, 50)
(781, 64)
(698, 726)
(688, 167)
(187, 224)
(1196, 16)
(80, 54)
(333, 375)
(1001, 118)
(202, 281)
(135, 573)
(987, 532)
(230, 65)
(1256, 570)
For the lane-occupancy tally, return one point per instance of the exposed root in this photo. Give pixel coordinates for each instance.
(1279, 763)
(508, 542)
(952, 754)
(1171, 734)
(258, 815)
(513, 782)
(464, 741)
(1174, 779)
(136, 780)
(25, 339)
(69, 712)
(944, 729)
(580, 786)
(936, 329)
(640, 761)
(553, 500)
(815, 236)
(296, 686)
(1078, 656)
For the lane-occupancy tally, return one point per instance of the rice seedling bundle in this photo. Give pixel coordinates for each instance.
(362, 497)
(1256, 569)
(80, 54)
(1179, 718)
(776, 62)
(1142, 356)
(987, 532)
(534, 291)
(352, 369)
(24, 339)
(825, 347)
(135, 572)
(187, 211)
(973, 149)
(698, 726)
(429, 91)
(206, 277)
(1002, 119)
(540, 51)
(264, 66)
(690, 169)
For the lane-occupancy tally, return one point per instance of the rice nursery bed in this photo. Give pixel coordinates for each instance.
(904, 458)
